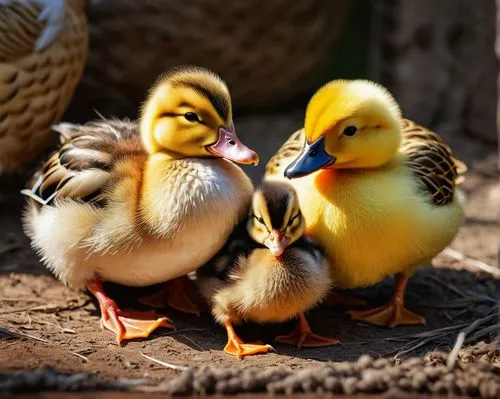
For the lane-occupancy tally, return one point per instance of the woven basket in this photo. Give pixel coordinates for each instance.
(268, 51)
(36, 86)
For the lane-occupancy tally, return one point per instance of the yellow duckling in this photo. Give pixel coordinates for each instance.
(267, 272)
(43, 48)
(377, 190)
(139, 204)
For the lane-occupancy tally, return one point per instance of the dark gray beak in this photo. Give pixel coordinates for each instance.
(312, 158)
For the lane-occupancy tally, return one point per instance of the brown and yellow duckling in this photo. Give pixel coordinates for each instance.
(142, 203)
(268, 272)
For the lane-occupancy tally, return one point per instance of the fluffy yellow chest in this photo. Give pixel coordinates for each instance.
(374, 223)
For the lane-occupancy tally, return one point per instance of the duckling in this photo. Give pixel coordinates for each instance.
(43, 48)
(376, 189)
(142, 203)
(267, 272)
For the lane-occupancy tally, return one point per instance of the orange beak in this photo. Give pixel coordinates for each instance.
(277, 242)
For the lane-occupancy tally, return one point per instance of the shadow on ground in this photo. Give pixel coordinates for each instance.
(44, 323)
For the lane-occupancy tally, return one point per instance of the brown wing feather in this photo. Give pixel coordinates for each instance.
(83, 165)
(431, 161)
(20, 28)
(289, 150)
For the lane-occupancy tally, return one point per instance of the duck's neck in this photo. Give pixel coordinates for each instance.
(165, 193)
(175, 191)
(164, 155)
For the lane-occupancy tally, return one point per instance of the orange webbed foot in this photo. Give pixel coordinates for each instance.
(132, 324)
(303, 337)
(179, 294)
(157, 299)
(393, 313)
(235, 346)
(126, 324)
(306, 339)
(390, 315)
(183, 296)
(240, 349)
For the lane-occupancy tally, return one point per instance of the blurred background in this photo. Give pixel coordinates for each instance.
(438, 57)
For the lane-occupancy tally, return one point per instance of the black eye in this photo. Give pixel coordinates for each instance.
(290, 222)
(260, 220)
(191, 117)
(350, 131)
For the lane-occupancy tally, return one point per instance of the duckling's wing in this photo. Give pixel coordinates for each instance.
(82, 167)
(431, 161)
(286, 154)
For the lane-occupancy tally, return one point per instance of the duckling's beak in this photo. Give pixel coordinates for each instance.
(312, 158)
(276, 242)
(230, 147)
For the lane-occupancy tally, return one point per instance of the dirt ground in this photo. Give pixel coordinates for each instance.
(44, 323)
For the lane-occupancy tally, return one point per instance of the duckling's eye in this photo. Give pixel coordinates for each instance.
(350, 131)
(290, 222)
(260, 220)
(191, 117)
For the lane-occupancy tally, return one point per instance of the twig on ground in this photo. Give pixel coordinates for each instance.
(48, 323)
(448, 286)
(17, 310)
(165, 364)
(485, 331)
(465, 328)
(31, 309)
(80, 356)
(18, 334)
(40, 308)
(453, 356)
(461, 303)
(197, 346)
(426, 334)
(452, 253)
(21, 335)
(417, 345)
(8, 299)
(10, 344)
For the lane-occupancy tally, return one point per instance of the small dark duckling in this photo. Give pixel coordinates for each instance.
(268, 272)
